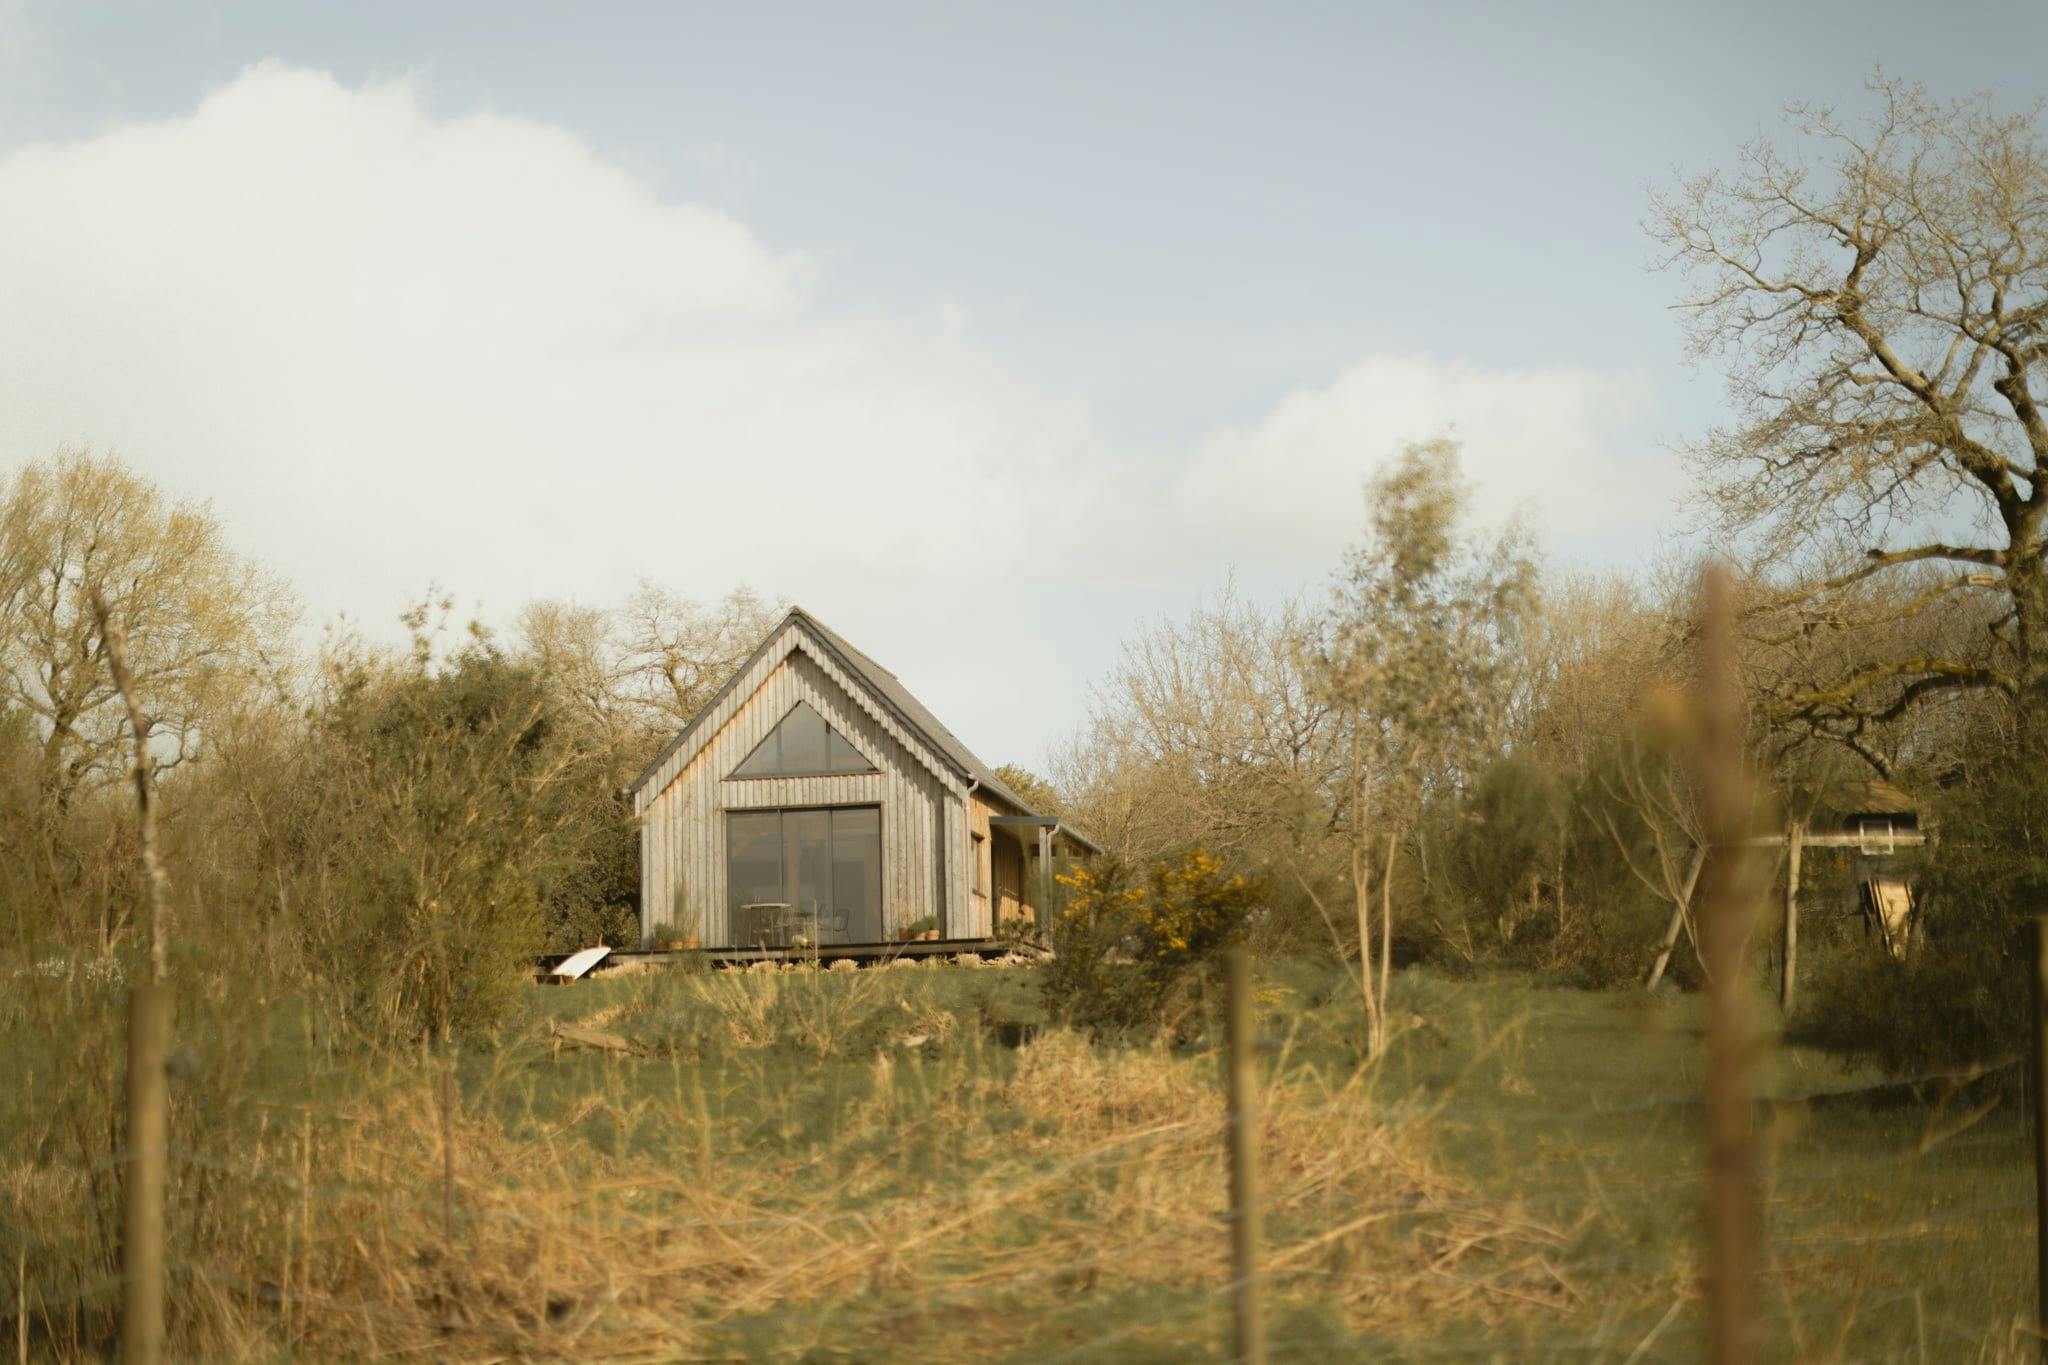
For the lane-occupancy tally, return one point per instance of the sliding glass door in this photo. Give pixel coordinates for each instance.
(815, 867)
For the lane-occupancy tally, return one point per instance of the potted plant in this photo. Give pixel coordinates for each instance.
(925, 928)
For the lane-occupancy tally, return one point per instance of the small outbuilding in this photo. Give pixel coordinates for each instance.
(1880, 819)
(815, 802)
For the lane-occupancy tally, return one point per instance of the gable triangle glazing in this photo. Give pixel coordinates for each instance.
(802, 744)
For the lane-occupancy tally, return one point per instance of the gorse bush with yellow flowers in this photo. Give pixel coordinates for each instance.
(1130, 947)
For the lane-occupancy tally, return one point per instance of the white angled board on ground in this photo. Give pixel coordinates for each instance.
(579, 964)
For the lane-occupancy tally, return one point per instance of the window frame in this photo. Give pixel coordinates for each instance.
(800, 808)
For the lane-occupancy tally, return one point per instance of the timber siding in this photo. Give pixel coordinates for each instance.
(683, 864)
(930, 799)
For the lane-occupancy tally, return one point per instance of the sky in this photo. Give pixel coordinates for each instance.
(986, 333)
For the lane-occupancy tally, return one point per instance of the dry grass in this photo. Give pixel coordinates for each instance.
(830, 1141)
(902, 1165)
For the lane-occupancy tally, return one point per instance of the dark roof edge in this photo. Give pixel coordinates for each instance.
(826, 637)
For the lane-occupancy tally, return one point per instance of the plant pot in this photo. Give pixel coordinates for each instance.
(930, 936)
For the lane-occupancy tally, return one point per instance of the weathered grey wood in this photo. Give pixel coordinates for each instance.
(1833, 838)
(794, 637)
(1045, 884)
(933, 794)
(684, 819)
(447, 1148)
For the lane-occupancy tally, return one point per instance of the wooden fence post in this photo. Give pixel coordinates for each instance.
(2039, 1085)
(1724, 798)
(1795, 839)
(447, 1145)
(1248, 1340)
(142, 1220)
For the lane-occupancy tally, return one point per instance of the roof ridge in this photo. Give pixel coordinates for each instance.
(887, 688)
(921, 718)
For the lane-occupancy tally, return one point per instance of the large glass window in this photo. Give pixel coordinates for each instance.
(819, 868)
(802, 744)
(753, 857)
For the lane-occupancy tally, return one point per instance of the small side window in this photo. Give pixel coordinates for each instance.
(980, 859)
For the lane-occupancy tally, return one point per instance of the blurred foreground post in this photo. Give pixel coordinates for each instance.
(2039, 1085)
(1724, 795)
(1248, 1342)
(149, 1035)
(142, 1212)
(447, 1145)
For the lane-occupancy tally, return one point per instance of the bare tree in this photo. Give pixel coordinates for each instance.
(640, 671)
(1880, 295)
(1647, 805)
(1207, 732)
(199, 620)
(678, 651)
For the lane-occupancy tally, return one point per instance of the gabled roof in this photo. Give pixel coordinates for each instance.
(1870, 796)
(886, 688)
(914, 713)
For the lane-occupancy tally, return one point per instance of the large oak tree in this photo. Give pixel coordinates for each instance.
(1878, 288)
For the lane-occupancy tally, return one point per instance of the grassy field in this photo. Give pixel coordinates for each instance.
(1899, 1223)
(1899, 1226)
(907, 1164)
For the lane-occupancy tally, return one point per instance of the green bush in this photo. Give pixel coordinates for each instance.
(1500, 841)
(455, 806)
(1622, 828)
(1128, 951)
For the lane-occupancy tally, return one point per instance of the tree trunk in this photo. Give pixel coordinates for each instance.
(1387, 930)
(1679, 905)
(2028, 584)
(1559, 888)
(1361, 888)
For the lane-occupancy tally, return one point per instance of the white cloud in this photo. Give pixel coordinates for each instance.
(1544, 443)
(396, 348)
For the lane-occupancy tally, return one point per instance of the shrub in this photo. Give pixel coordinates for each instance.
(1128, 949)
(455, 804)
(1624, 831)
(1501, 841)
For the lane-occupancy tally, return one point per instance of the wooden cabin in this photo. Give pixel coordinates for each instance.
(815, 802)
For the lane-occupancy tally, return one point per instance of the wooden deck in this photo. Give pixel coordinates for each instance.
(865, 954)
